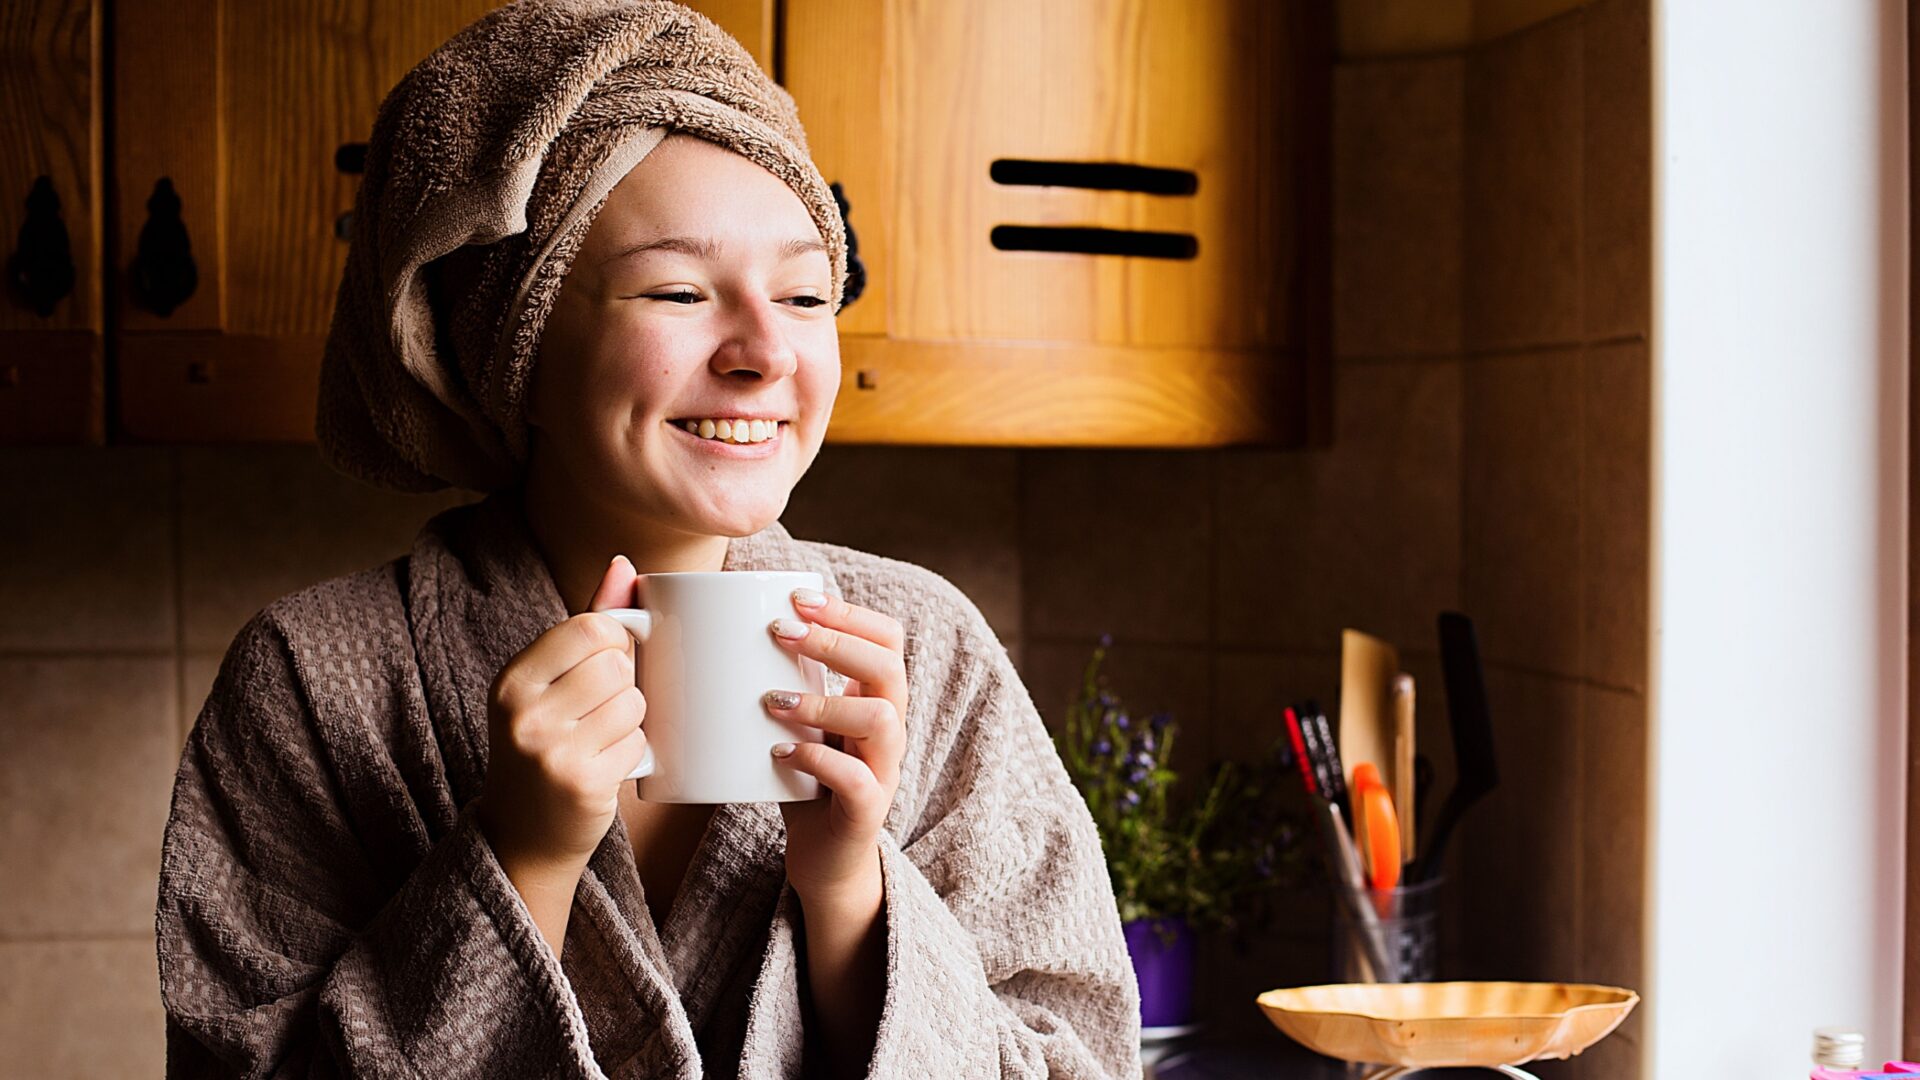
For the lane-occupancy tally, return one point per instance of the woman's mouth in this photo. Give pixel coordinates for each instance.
(733, 437)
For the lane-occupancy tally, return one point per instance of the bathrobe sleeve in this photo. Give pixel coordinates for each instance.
(1005, 955)
(301, 933)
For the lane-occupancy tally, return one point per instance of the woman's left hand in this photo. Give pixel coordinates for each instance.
(833, 848)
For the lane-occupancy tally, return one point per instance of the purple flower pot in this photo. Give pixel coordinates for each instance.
(1164, 967)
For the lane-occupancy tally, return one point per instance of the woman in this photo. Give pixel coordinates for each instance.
(588, 237)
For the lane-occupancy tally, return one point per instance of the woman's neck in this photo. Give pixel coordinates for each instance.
(578, 537)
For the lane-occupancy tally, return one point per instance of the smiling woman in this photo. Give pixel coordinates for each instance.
(402, 835)
(717, 320)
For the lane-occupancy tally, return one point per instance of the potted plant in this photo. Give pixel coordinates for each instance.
(1181, 862)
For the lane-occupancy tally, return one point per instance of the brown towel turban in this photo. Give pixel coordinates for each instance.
(486, 165)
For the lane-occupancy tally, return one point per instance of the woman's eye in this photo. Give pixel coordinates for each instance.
(684, 297)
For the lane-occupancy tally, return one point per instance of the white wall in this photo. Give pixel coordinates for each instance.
(1779, 531)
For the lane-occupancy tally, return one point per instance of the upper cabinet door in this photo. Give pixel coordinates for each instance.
(237, 137)
(51, 385)
(1104, 171)
(1084, 222)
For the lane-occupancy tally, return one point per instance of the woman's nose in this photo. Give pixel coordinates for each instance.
(757, 343)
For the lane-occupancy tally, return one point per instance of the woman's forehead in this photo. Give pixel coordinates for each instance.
(693, 199)
(713, 248)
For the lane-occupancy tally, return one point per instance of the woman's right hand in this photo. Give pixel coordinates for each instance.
(564, 730)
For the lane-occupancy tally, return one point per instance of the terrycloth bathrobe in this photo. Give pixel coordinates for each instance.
(328, 907)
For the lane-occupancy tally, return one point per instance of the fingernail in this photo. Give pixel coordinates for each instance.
(791, 629)
(809, 597)
(782, 749)
(782, 699)
(619, 559)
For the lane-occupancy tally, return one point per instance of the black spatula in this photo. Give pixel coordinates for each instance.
(1476, 770)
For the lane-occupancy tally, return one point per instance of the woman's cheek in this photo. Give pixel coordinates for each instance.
(820, 368)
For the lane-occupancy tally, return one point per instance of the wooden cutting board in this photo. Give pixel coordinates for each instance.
(1367, 669)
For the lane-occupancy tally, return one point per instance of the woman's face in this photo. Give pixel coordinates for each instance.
(702, 293)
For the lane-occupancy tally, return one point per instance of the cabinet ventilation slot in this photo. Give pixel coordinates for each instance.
(1101, 176)
(1089, 241)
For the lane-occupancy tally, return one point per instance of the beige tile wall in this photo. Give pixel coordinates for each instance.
(1490, 453)
(1556, 408)
(130, 571)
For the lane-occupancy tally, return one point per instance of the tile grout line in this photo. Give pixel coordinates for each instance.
(183, 724)
(1238, 650)
(1020, 486)
(1549, 675)
(1209, 745)
(1462, 351)
(1460, 409)
(1495, 352)
(1463, 50)
(1020, 552)
(19, 654)
(1583, 526)
(114, 938)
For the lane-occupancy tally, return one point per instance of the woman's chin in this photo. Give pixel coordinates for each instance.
(741, 517)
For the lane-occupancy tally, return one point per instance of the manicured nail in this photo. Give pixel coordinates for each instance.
(782, 749)
(782, 699)
(809, 597)
(791, 629)
(619, 559)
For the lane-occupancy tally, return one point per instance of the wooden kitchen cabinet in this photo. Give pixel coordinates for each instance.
(247, 112)
(52, 386)
(196, 255)
(1082, 222)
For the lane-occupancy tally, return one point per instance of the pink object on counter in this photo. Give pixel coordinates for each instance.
(1892, 1068)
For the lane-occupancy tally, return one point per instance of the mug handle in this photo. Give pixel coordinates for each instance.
(639, 623)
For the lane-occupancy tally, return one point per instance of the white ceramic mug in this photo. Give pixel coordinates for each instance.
(704, 659)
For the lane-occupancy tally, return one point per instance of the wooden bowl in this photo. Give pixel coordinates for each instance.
(1439, 1025)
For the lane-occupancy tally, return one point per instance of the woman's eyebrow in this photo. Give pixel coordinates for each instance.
(701, 247)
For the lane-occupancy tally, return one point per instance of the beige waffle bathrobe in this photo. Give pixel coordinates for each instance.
(327, 906)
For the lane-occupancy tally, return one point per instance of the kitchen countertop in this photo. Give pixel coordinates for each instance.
(1198, 1058)
(1245, 1058)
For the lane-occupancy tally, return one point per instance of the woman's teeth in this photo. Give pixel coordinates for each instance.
(734, 431)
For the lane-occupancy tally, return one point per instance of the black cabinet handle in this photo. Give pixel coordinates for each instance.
(163, 274)
(856, 270)
(351, 159)
(40, 271)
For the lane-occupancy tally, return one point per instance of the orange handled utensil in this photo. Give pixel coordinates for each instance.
(1376, 827)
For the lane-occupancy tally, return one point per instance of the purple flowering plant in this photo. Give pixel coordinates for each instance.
(1215, 856)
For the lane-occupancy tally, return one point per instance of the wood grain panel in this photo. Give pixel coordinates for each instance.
(50, 112)
(186, 388)
(218, 388)
(844, 84)
(753, 23)
(1038, 394)
(167, 83)
(302, 78)
(1202, 87)
(51, 389)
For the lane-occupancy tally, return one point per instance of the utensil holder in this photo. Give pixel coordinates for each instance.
(1410, 925)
